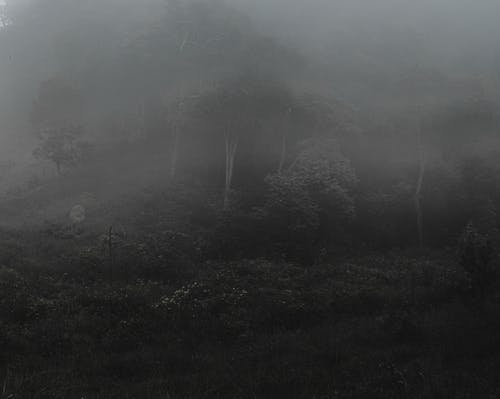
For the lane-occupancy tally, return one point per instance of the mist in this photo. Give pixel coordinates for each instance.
(249, 198)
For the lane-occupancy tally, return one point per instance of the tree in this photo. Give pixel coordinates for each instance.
(227, 112)
(61, 146)
(284, 143)
(420, 182)
(311, 200)
(426, 87)
(238, 113)
(56, 116)
(177, 124)
(177, 110)
(232, 127)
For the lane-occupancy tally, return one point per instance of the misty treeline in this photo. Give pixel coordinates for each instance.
(363, 139)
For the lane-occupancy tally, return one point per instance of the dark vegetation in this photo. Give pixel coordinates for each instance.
(219, 213)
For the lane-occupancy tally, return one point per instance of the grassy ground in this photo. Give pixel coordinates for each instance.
(148, 323)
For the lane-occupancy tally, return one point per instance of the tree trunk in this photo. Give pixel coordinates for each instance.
(231, 147)
(58, 168)
(418, 189)
(284, 143)
(5, 377)
(178, 121)
(142, 119)
(175, 151)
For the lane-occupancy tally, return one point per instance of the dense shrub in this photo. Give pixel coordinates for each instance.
(309, 204)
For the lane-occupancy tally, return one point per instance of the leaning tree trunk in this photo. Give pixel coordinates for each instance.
(175, 151)
(284, 143)
(418, 189)
(231, 143)
(177, 124)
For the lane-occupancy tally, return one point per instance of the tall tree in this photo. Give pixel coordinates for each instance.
(56, 116)
(240, 111)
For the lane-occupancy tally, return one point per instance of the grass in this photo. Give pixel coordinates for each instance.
(392, 325)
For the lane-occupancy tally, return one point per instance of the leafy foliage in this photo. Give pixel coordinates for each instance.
(312, 197)
(63, 147)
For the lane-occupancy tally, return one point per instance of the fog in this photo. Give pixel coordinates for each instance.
(380, 60)
(249, 198)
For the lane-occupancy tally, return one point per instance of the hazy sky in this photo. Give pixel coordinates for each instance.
(354, 33)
